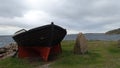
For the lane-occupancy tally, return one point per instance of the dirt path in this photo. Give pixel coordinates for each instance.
(44, 66)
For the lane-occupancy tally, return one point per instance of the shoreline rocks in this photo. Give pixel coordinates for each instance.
(8, 50)
(2, 50)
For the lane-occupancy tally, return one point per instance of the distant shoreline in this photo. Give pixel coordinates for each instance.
(95, 36)
(6, 39)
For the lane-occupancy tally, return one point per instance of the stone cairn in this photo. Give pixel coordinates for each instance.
(80, 46)
(8, 50)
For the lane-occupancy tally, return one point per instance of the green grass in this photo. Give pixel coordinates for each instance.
(101, 54)
(20, 63)
(14, 63)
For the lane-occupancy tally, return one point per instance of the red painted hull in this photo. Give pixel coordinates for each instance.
(39, 52)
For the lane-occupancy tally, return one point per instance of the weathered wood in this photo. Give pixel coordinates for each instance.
(80, 46)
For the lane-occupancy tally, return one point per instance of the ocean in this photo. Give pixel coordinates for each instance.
(4, 40)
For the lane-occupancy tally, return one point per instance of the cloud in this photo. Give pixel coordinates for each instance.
(74, 15)
(7, 30)
(12, 8)
(30, 19)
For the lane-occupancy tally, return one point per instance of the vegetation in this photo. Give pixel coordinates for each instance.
(101, 54)
(14, 63)
(115, 31)
(20, 63)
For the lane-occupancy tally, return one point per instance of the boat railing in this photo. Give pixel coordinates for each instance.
(19, 32)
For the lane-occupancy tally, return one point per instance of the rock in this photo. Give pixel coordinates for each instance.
(8, 50)
(2, 50)
(1, 55)
(80, 46)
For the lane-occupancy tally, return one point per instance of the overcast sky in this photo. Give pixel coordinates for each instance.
(87, 16)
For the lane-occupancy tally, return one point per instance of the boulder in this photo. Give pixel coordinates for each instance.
(80, 46)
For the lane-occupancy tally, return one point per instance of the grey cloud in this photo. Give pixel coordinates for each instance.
(78, 15)
(79, 9)
(12, 22)
(74, 13)
(12, 8)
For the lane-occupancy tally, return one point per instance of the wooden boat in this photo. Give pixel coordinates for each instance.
(47, 35)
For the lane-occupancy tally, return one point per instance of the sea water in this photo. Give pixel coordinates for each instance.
(4, 40)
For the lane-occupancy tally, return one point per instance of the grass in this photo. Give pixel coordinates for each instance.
(101, 54)
(20, 63)
(14, 63)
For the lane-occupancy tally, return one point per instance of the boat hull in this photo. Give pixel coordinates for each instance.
(48, 35)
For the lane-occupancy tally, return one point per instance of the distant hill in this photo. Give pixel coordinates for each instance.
(115, 31)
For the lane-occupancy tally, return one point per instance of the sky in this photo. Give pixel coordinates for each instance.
(86, 16)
